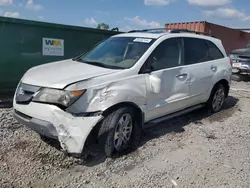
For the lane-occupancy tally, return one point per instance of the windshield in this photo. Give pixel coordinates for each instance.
(117, 52)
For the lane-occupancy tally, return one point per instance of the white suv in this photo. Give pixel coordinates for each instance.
(124, 84)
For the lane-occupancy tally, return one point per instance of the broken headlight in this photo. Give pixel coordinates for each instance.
(55, 96)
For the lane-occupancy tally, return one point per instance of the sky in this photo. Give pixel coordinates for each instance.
(130, 14)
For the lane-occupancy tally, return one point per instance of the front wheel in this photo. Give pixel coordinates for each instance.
(119, 131)
(217, 98)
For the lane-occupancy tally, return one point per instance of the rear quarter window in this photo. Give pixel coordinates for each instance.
(196, 51)
(214, 51)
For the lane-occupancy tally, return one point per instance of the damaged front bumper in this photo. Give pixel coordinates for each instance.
(51, 121)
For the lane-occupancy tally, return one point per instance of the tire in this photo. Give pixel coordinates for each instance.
(108, 136)
(217, 92)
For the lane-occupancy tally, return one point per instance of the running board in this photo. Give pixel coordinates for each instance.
(173, 115)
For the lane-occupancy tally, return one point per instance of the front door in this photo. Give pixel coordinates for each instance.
(166, 65)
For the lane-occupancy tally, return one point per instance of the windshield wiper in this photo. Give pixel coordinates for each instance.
(96, 63)
(99, 64)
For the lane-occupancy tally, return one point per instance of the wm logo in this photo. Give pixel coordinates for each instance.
(53, 43)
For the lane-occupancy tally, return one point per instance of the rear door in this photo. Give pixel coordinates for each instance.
(201, 67)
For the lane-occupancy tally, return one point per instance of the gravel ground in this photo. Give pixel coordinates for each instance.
(196, 150)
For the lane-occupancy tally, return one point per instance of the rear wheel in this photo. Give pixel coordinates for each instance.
(217, 98)
(119, 131)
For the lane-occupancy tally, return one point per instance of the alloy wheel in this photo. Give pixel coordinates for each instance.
(123, 131)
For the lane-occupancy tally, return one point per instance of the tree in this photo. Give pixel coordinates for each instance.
(103, 26)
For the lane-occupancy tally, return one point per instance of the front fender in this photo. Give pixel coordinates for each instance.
(133, 90)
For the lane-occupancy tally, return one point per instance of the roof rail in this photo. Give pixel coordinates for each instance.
(188, 31)
(155, 30)
(133, 31)
(162, 30)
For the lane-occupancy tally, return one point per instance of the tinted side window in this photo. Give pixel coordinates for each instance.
(167, 54)
(196, 51)
(215, 53)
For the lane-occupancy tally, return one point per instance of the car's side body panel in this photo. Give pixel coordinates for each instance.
(173, 95)
(102, 96)
(205, 76)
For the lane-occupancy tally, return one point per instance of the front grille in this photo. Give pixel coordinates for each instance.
(245, 59)
(25, 93)
(23, 115)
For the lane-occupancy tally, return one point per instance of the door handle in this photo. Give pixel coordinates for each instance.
(213, 68)
(182, 76)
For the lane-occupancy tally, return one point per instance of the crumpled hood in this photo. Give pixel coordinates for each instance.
(243, 51)
(62, 73)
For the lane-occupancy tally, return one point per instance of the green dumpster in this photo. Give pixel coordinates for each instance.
(24, 44)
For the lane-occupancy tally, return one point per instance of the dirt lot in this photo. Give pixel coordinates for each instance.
(196, 150)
